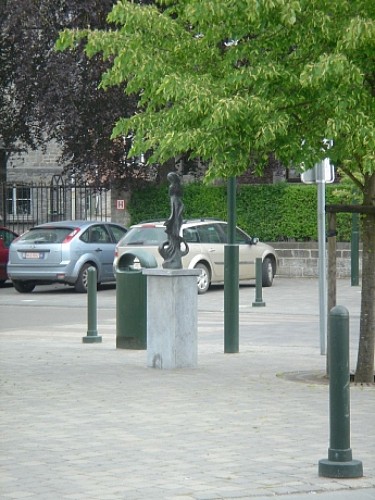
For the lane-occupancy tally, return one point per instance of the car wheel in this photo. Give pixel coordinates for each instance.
(2, 282)
(24, 286)
(204, 279)
(81, 283)
(267, 272)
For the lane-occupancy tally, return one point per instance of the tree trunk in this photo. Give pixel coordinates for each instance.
(365, 362)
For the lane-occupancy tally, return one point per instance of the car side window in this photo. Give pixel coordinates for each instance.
(96, 234)
(118, 232)
(241, 238)
(190, 235)
(209, 233)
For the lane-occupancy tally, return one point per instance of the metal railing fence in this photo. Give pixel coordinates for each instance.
(23, 205)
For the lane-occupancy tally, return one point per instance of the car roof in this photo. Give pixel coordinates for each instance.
(74, 223)
(185, 222)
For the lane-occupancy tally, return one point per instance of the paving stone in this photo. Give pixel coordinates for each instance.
(84, 422)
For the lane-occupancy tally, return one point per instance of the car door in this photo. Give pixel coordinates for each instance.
(211, 239)
(191, 237)
(101, 244)
(246, 254)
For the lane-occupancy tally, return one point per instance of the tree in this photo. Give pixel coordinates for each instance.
(45, 95)
(231, 82)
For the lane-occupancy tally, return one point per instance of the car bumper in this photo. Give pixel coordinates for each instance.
(52, 274)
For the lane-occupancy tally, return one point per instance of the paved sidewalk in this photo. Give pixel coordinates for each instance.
(89, 422)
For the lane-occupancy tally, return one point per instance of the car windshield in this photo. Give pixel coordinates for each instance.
(46, 235)
(145, 236)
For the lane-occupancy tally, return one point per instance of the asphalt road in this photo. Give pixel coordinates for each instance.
(289, 300)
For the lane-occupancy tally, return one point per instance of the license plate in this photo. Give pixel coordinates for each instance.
(33, 255)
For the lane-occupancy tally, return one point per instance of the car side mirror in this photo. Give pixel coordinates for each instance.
(254, 241)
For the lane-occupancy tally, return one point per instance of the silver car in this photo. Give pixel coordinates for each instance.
(62, 252)
(206, 240)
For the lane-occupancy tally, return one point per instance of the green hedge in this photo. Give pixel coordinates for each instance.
(271, 212)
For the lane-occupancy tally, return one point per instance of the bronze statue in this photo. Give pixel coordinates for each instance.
(175, 247)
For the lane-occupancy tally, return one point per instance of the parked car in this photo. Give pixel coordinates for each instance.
(206, 240)
(62, 252)
(6, 238)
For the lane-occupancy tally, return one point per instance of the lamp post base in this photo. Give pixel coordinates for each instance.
(91, 339)
(351, 469)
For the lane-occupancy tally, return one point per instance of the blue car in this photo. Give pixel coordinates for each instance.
(62, 252)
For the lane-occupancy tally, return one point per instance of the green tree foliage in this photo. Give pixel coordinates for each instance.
(227, 81)
(231, 82)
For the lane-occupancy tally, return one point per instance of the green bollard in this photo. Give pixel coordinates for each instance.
(340, 463)
(92, 332)
(258, 284)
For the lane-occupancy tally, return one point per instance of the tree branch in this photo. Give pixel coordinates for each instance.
(353, 178)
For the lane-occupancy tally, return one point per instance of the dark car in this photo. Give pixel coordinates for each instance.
(6, 238)
(62, 252)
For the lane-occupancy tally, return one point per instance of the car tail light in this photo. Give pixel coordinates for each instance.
(71, 235)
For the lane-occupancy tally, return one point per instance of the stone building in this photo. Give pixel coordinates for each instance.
(37, 191)
(34, 166)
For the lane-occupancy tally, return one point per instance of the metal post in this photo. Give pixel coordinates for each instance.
(322, 258)
(354, 254)
(258, 284)
(332, 246)
(340, 462)
(332, 285)
(92, 332)
(231, 299)
(231, 276)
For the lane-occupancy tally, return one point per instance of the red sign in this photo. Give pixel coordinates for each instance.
(120, 204)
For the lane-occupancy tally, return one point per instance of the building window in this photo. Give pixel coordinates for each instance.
(19, 201)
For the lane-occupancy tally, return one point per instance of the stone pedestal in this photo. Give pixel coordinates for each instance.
(172, 318)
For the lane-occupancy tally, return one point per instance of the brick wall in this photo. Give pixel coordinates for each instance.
(297, 259)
